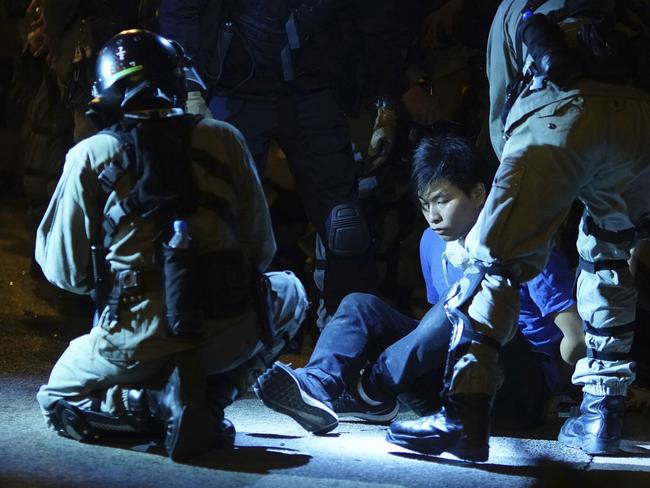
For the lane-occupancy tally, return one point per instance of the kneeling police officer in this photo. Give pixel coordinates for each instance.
(162, 219)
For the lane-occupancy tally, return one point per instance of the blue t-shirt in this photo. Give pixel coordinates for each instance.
(549, 292)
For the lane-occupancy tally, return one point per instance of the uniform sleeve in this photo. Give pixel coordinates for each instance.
(501, 67)
(552, 289)
(70, 224)
(426, 250)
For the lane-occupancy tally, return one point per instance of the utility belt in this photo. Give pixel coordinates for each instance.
(213, 286)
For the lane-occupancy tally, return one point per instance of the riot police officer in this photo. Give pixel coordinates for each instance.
(567, 82)
(167, 211)
(284, 70)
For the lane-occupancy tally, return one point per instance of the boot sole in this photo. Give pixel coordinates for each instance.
(590, 444)
(424, 445)
(280, 391)
(70, 422)
(194, 434)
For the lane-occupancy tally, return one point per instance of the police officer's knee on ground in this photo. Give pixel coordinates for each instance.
(167, 211)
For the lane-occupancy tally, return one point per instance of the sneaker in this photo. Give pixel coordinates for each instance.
(282, 390)
(349, 405)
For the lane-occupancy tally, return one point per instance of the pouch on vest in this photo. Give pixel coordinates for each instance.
(179, 288)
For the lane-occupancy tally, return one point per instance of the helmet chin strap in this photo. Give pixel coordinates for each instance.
(148, 95)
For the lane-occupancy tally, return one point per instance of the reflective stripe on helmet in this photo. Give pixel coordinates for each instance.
(125, 72)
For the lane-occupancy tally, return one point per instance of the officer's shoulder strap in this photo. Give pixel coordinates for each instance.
(117, 166)
(112, 172)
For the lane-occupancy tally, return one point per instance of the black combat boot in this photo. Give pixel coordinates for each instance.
(221, 393)
(461, 427)
(174, 406)
(598, 428)
(89, 425)
(190, 428)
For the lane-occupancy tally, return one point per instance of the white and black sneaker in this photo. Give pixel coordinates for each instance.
(281, 389)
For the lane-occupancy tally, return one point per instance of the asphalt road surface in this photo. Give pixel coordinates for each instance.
(37, 322)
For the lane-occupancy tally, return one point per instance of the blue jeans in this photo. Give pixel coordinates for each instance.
(365, 329)
(403, 355)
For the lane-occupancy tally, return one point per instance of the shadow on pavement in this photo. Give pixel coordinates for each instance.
(245, 459)
(548, 473)
(274, 436)
(252, 459)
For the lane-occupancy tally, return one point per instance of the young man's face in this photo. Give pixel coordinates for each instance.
(449, 211)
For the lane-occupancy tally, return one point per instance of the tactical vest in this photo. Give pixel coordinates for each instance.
(195, 285)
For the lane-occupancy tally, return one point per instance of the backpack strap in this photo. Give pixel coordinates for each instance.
(114, 170)
(109, 177)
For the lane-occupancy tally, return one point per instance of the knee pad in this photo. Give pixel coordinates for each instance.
(346, 231)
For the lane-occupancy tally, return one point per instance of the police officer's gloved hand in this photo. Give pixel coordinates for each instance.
(196, 105)
(383, 136)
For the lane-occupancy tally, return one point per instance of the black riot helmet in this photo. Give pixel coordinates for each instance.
(138, 70)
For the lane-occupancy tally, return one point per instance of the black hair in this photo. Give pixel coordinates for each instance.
(448, 157)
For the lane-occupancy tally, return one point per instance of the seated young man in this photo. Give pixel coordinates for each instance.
(398, 354)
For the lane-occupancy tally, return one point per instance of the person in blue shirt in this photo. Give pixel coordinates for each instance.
(402, 356)
(547, 303)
